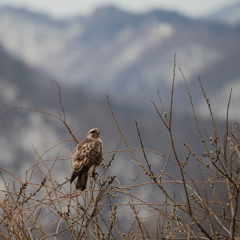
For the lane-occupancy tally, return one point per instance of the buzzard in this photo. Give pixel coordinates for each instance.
(88, 155)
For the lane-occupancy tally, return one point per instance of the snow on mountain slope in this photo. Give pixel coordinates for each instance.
(114, 50)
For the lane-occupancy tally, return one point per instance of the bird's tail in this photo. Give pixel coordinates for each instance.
(82, 181)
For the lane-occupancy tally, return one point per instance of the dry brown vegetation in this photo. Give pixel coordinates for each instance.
(203, 209)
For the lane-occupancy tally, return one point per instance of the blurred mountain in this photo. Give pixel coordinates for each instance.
(229, 15)
(126, 56)
(114, 52)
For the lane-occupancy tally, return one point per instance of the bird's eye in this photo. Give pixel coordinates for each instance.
(94, 131)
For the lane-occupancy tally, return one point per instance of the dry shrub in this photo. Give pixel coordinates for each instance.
(204, 209)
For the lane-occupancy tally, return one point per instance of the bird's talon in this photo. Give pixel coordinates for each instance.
(95, 175)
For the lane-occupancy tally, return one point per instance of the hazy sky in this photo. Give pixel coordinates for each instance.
(64, 8)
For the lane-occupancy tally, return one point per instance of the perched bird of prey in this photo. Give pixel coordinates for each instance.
(88, 155)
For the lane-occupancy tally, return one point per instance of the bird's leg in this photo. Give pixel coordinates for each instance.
(95, 175)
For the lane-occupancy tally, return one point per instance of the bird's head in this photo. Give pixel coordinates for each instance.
(94, 133)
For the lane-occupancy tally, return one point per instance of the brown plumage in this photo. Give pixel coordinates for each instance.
(88, 155)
